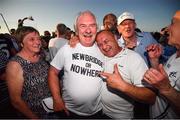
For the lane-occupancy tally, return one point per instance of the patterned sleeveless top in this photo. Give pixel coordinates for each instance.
(35, 86)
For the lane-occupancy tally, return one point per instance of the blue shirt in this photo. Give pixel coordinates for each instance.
(143, 40)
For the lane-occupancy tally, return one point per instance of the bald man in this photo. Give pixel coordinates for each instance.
(166, 79)
(123, 84)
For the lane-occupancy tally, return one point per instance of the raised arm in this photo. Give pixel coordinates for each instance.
(154, 52)
(15, 80)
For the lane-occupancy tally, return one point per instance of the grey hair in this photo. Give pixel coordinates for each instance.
(81, 14)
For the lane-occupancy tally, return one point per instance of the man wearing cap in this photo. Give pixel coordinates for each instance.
(138, 41)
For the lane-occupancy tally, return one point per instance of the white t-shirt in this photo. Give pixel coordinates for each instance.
(132, 68)
(54, 45)
(161, 109)
(81, 89)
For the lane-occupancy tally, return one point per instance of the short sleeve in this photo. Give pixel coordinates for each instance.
(59, 59)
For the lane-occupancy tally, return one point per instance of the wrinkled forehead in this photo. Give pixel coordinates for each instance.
(86, 17)
(104, 35)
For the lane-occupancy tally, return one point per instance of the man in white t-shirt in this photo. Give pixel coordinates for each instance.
(81, 85)
(56, 43)
(166, 79)
(124, 85)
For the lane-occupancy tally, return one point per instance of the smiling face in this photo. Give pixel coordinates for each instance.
(110, 22)
(86, 29)
(107, 43)
(127, 28)
(32, 43)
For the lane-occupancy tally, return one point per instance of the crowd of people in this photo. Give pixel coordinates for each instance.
(118, 72)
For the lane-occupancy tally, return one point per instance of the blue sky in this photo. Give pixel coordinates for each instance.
(151, 15)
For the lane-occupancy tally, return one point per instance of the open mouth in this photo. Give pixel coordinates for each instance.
(88, 35)
(128, 31)
(38, 47)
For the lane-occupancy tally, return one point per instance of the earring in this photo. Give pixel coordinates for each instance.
(21, 44)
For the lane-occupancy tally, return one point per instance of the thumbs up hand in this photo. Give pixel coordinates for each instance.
(114, 80)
